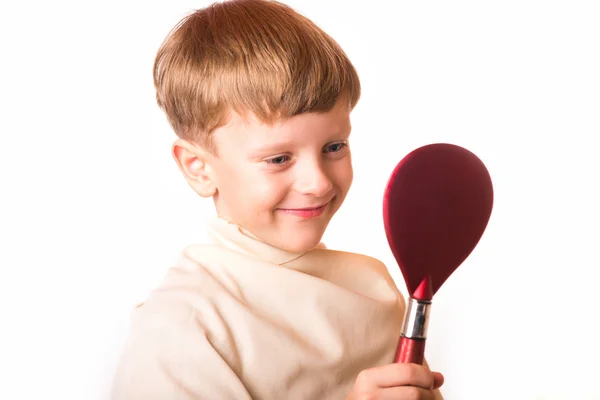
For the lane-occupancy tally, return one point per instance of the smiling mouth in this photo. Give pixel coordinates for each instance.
(307, 212)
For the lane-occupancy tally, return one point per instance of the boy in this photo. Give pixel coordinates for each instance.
(260, 99)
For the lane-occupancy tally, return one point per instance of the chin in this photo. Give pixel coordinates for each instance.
(301, 242)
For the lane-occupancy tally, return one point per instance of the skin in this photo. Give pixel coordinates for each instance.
(397, 382)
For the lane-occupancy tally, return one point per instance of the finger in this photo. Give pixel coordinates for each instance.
(438, 380)
(406, 392)
(397, 374)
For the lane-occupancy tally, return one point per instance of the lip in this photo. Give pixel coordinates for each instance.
(306, 212)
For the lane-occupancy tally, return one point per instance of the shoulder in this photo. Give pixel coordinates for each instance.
(352, 262)
(173, 317)
(174, 300)
(201, 280)
(358, 272)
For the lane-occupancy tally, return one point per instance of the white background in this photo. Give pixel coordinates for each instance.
(93, 209)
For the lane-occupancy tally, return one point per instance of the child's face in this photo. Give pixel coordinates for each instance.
(284, 182)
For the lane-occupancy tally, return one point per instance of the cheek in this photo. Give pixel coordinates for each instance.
(236, 185)
(344, 174)
(275, 190)
(231, 180)
(265, 190)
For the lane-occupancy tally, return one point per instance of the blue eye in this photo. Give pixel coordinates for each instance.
(279, 160)
(334, 147)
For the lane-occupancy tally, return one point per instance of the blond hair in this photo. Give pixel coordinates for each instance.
(254, 56)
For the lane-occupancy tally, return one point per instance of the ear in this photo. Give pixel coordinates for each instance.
(195, 165)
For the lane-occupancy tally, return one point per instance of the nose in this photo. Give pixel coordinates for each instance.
(313, 179)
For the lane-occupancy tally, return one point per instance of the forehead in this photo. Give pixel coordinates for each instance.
(248, 131)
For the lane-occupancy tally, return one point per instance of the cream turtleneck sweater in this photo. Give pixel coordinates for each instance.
(239, 319)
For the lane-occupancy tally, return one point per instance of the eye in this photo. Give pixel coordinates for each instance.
(334, 147)
(279, 160)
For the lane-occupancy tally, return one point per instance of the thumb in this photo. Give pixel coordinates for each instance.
(438, 380)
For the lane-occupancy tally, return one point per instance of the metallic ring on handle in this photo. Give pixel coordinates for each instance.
(416, 319)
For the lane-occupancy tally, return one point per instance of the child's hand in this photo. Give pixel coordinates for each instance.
(396, 382)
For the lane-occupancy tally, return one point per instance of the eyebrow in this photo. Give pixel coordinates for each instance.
(268, 149)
